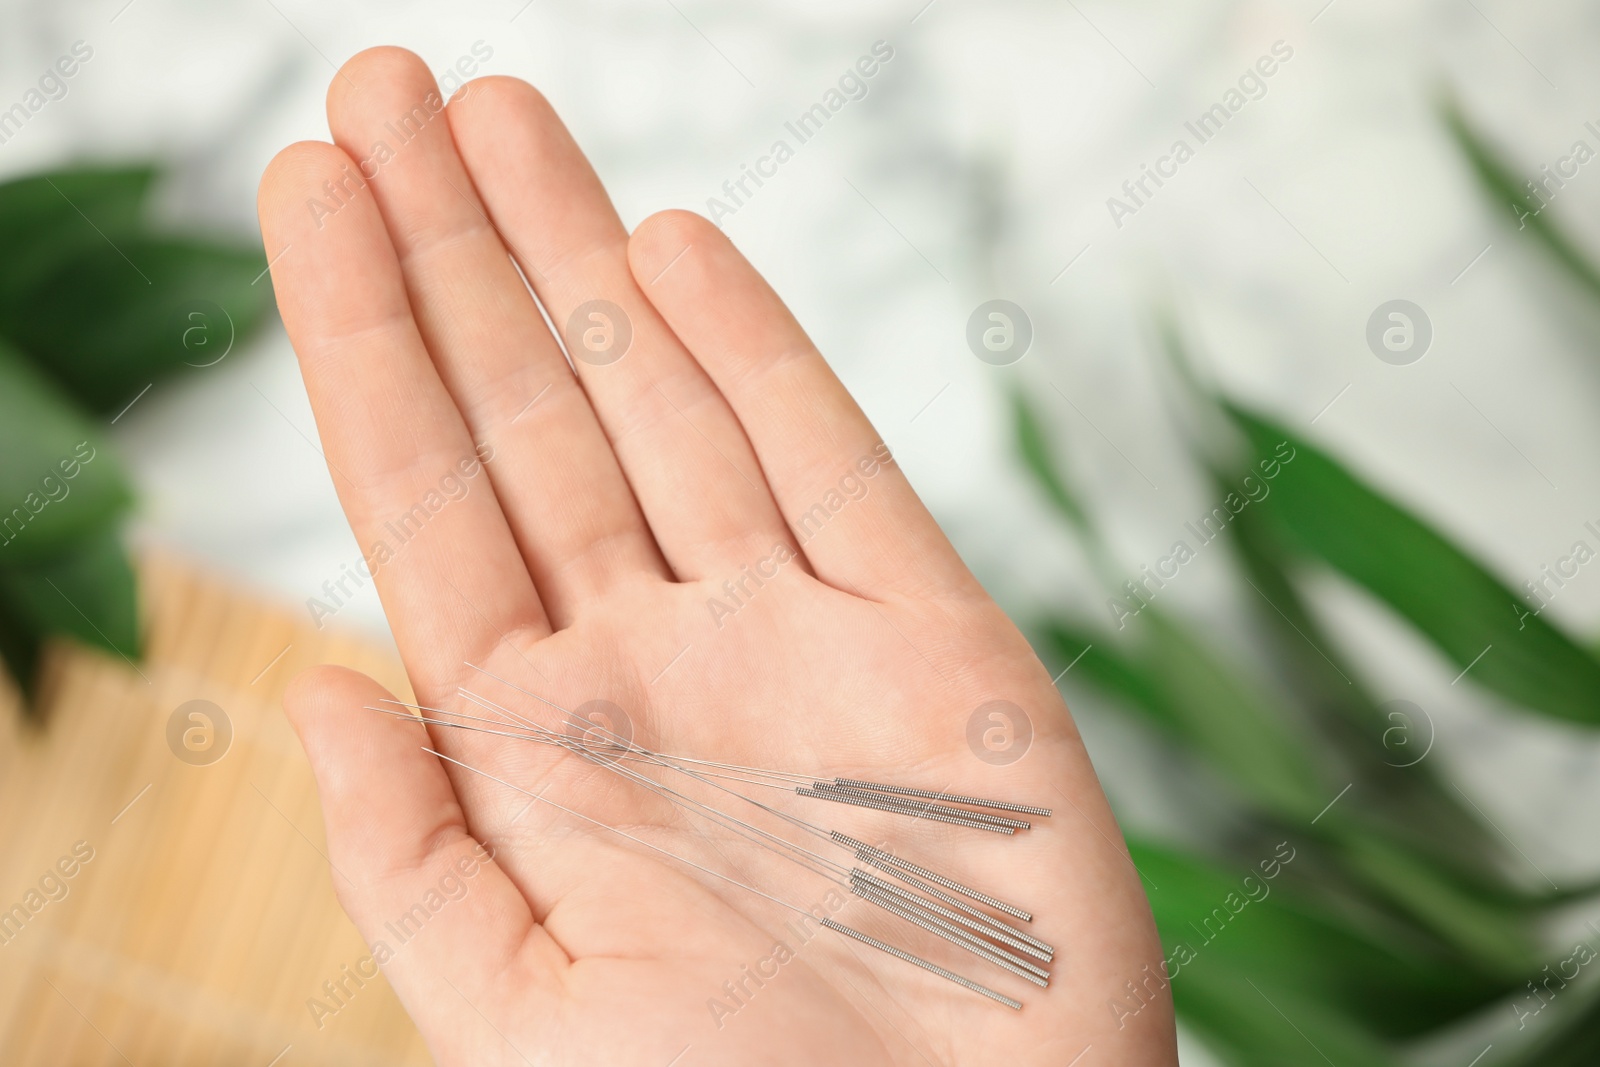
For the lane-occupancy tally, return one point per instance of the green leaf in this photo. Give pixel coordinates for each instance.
(1495, 933)
(105, 197)
(1394, 784)
(60, 484)
(1384, 755)
(1390, 784)
(87, 593)
(1569, 1040)
(1033, 445)
(47, 217)
(1250, 1025)
(1190, 691)
(1195, 696)
(1253, 922)
(1468, 614)
(1500, 181)
(108, 321)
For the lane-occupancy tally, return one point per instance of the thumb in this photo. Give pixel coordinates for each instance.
(444, 922)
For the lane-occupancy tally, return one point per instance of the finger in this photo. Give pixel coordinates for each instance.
(428, 899)
(411, 484)
(685, 455)
(556, 477)
(850, 507)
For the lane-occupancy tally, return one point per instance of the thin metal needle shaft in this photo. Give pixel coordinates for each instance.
(902, 809)
(948, 933)
(912, 902)
(943, 809)
(952, 798)
(863, 850)
(960, 905)
(945, 913)
(866, 939)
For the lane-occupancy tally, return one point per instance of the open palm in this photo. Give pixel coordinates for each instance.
(699, 528)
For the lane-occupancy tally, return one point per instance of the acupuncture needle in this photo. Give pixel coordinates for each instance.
(837, 927)
(898, 868)
(890, 898)
(999, 930)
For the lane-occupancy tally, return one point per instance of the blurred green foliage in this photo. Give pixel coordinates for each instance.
(1402, 914)
(96, 306)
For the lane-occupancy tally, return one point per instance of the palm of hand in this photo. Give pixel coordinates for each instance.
(629, 545)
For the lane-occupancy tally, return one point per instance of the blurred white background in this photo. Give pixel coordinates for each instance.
(979, 166)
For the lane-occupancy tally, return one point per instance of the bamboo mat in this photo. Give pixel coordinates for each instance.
(205, 919)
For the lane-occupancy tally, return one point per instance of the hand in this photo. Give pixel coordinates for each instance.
(604, 550)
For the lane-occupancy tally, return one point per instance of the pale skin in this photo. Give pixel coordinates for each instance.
(583, 561)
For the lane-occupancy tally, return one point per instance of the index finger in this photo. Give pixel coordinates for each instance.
(414, 484)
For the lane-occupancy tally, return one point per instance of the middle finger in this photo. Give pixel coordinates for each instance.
(685, 453)
(575, 520)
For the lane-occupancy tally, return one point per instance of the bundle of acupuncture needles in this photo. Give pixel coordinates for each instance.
(967, 918)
